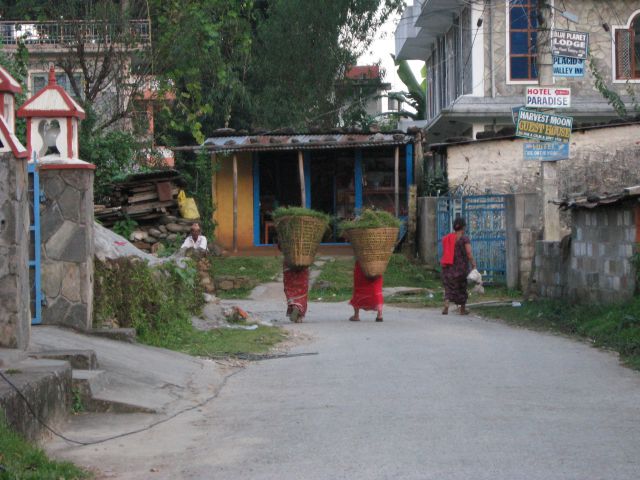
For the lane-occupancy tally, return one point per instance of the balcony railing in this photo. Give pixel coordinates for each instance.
(66, 32)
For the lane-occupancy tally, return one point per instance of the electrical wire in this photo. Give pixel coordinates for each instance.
(121, 435)
(240, 356)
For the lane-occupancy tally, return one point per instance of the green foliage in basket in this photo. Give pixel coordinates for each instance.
(281, 212)
(371, 219)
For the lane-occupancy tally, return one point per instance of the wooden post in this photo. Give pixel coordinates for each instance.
(214, 180)
(303, 193)
(235, 203)
(396, 189)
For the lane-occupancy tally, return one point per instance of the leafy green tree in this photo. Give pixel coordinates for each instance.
(203, 50)
(302, 50)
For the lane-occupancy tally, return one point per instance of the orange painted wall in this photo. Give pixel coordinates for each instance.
(223, 198)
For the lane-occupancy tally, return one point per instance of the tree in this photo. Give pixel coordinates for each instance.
(302, 49)
(204, 50)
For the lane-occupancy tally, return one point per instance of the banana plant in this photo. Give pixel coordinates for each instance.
(416, 94)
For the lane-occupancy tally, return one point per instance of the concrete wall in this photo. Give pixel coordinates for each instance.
(427, 233)
(67, 246)
(602, 159)
(15, 314)
(223, 200)
(597, 267)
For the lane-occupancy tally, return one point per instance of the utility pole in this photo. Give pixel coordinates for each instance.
(548, 170)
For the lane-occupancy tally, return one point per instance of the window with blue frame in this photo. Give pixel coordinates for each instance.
(523, 37)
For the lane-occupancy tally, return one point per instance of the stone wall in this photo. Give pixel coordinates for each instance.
(15, 314)
(67, 246)
(595, 267)
(601, 160)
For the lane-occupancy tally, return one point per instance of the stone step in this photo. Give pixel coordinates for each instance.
(99, 393)
(79, 359)
(120, 334)
(46, 384)
(9, 356)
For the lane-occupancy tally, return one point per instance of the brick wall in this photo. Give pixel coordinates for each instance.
(597, 267)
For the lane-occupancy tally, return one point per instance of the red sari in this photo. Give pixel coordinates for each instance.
(367, 292)
(296, 288)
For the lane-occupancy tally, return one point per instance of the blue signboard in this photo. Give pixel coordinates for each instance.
(568, 67)
(546, 151)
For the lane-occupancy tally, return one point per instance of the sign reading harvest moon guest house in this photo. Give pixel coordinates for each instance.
(565, 43)
(544, 126)
(548, 97)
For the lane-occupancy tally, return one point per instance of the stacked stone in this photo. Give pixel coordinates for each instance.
(14, 253)
(67, 246)
(167, 229)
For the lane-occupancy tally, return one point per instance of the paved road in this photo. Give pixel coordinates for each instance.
(420, 396)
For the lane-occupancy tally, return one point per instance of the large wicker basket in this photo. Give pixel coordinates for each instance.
(373, 248)
(299, 237)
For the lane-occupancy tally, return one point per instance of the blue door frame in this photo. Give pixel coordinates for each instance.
(34, 228)
(307, 181)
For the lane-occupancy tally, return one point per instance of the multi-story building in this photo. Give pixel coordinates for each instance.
(481, 55)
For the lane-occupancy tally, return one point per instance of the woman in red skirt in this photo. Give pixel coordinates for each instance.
(296, 289)
(367, 294)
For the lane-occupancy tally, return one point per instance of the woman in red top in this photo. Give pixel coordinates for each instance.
(456, 257)
(367, 294)
(296, 289)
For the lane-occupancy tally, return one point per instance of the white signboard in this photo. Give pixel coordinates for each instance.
(548, 97)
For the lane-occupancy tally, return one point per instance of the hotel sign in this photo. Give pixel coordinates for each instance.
(565, 43)
(568, 67)
(546, 151)
(548, 97)
(544, 126)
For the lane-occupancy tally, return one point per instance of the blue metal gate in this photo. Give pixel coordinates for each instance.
(35, 198)
(485, 216)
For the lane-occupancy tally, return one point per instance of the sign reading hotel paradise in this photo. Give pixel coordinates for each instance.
(543, 126)
(546, 151)
(548, 97)
(565, 43)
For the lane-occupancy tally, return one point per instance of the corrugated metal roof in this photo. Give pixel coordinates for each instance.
(253, 143)
(593, 201)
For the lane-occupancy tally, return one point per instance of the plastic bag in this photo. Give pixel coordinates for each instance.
(187, 206)
(474, 276)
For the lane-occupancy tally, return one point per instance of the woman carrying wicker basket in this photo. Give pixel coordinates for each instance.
(296, 289)
(300, 231)
(367, 294)
(456, 257)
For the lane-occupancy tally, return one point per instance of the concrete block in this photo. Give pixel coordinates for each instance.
(46, 384)
(78, 359)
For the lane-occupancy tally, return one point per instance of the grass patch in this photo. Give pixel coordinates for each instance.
(215, 343)
(335, 282)
(159, 303)
(257, 269)
(371, 219)
(614, 326)
(20, 460)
